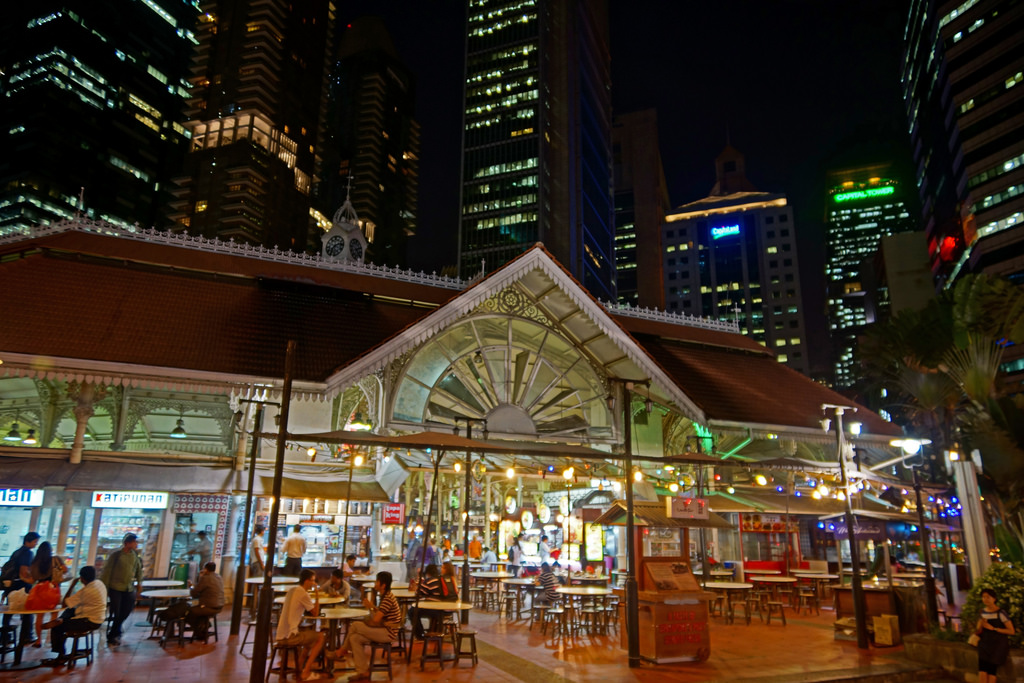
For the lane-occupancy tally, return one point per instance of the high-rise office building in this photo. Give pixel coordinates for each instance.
(537, 159)
(257, 106)
(732, 256)
(641, 202)
(93, 101)
(863, 205)
(962, 78)
(372, 135)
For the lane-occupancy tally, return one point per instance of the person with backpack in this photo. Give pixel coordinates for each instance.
(515, 557)
(122, 575)
(17, 575)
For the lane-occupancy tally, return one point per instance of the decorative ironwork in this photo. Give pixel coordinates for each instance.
(671, 318)
(513, 301)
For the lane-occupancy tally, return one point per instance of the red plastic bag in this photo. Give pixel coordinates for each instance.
(44, 595)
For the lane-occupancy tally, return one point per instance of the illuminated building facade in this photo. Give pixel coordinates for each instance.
(863, 205)
(537, 157)
(641, 202)
(371, 133)
(732, 256)
(256, 111)
(962, 76)
(93, 101)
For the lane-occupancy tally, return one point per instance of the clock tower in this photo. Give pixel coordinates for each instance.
(345, 241)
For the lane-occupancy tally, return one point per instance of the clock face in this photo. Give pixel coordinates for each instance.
(510, 504)
(355, 248)
(335, 245)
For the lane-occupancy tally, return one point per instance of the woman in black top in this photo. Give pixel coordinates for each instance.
(995, 629)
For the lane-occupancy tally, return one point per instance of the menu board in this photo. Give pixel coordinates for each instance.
(667, 577)
(766, 523)
(594, 534)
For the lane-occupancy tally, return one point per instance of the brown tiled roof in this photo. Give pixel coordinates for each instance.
(750, 386)
(91, 308)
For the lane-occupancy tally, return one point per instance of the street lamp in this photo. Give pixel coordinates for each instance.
(913, 447)
(465, 517)
(856, 585)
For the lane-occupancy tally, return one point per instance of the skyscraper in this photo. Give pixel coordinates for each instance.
(537, 161)
(732, 256)
(863, 205)
(641, 201)
(962, 88)
(93, 101)
(256, 111)
(371, 135)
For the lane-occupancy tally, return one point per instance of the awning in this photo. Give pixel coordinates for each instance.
(653, 514)
(895, 517)
(93, 475)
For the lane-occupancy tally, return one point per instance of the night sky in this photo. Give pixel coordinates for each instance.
(798, 86)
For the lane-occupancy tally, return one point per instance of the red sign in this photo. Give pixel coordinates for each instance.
(394, 513)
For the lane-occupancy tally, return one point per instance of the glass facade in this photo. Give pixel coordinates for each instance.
(537, 138)
(93, 104)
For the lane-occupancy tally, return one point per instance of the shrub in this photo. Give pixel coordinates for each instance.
(1008, 583)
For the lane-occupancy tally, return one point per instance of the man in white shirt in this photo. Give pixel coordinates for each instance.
(86, 611)
(296, 603)
(544, 550)
(257, 551)
(294, 548)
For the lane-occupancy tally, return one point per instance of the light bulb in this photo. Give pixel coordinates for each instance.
(673, 487)
(823, 490)
(816, 495)
(510, 473)
(357, 461)
(638, 475)
(761, 479)
(730, 489)
(458, 466)
(568, 472)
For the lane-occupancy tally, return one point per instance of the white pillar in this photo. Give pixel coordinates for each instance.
(972, 516)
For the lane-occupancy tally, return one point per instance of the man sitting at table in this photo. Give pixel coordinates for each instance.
(489, 558)
(296, 603)
(429, 588)
(336, 586)
(381, 626)
(209, 595)
(86, 611)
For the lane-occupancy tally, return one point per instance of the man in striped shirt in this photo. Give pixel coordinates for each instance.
(380, 627)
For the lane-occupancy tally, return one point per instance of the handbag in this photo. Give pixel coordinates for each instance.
(974, 640)
(44, 595)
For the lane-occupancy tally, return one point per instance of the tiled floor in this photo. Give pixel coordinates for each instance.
(803, 650)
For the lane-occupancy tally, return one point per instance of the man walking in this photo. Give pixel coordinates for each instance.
(412, 558)
(294, 548)
(257, 552)
(122, 575)
(86, 611)
(17, 575)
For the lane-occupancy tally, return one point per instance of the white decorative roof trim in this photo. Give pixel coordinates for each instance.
(671, 318)
(275, 255)
(448, 314)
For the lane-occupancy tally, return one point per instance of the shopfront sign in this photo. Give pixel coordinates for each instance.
(686, 507)
(22, 498)
(526, 519)
(147, 500)
(863, 529)
(393, 513)
(476, 520)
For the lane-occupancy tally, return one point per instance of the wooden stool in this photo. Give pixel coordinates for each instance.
(8, 641)
(592, 618)
(385, 665)
(170, 626)
(510, 602)
(83, 651)
(245, 638)
(556, 617)
(476, 596)
(283, 670)
(745, 605)
(156, 620)
(776, 606)
(463, 634)
(534, 611)
(437, 638)
(808, 600)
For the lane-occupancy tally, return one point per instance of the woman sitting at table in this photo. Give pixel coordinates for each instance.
(549, 582)
(428, 588)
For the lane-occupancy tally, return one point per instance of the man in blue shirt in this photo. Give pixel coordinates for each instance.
(16, 577)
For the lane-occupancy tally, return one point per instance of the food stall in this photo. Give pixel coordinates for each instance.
(673, 609)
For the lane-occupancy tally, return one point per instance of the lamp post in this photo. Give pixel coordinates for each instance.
(912, 447)
(357, 460)
(465, 510)
(857, 585)
(632, 597)
(266, 601)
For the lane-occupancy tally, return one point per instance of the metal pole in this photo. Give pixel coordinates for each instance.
(465, 534)
(348, 507)
(266, 602)
(240, 572)
(632, 598)
(857, 584)
(929, 578)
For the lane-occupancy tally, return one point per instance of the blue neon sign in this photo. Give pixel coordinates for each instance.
(725, 231)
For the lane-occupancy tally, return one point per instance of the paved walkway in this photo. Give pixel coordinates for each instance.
(803, 651)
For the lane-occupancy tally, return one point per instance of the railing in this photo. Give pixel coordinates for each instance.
(671, 318)
(198, 242)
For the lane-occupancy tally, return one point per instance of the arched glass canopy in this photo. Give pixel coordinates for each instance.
(520, 375)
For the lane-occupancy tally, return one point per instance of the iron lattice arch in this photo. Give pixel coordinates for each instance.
(519, 374)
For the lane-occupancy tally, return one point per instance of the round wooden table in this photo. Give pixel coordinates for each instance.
(275, 580)
(764, 572)
(333, 616)
(161, 583)
(167, 593)
(324, 599)
(522, 586)
(19, 647)
(729, 587)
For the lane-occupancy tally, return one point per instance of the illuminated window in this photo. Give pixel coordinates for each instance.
(201, 206)
(773, 250)
(780, 342)
(782, 358)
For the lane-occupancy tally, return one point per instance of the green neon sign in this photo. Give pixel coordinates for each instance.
(864, 194)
